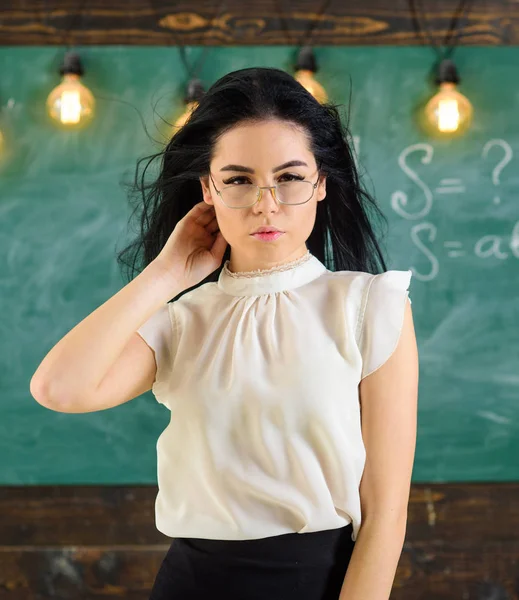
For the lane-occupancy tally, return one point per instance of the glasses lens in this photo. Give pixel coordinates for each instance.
(237, 196)
(295, 192)
(288, 192)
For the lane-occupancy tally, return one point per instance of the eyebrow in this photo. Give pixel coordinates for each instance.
(290, 163)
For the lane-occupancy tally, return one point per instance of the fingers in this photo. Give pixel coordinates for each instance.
(212, 226)
(200, 207)
(219, 246)
(203, 213)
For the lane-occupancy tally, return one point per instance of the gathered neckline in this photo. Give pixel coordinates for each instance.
(262, 272)
(279, 278)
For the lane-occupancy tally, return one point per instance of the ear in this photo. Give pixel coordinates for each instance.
(321, 188)
(205, 182)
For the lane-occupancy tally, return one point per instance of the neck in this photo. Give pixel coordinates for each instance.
(245, 264)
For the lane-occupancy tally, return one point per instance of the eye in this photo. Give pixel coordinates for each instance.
(292, 177)
(235, 179)
(283, 177)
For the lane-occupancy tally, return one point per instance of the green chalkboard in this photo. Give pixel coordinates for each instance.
(453, 213)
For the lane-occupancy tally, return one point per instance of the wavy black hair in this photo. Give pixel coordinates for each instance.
(343, 237)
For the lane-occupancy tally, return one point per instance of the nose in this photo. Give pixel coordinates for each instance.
(267, 201)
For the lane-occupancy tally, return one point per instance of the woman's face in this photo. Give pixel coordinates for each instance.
(252, 154)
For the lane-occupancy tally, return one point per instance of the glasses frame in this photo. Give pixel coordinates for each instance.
(268, 187)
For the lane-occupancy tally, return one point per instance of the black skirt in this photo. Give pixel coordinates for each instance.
(302, 566)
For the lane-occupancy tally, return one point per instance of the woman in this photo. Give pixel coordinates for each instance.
(270, 483)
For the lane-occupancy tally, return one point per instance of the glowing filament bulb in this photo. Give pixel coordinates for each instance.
(71, 103)
(448, 115)
(70, 107)
(195, 93)
(307, 80)
(448, 111)
(305, 70)
(181, 121)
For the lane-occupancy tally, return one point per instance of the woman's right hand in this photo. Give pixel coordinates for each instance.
(195, 247)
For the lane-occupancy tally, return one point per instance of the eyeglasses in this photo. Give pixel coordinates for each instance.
(292, 192)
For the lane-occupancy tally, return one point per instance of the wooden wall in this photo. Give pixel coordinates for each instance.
(92, 542)
(234, 22)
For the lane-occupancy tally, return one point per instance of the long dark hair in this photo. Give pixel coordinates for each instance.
(343, 237)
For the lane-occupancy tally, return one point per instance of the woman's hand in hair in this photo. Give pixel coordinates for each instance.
(195, 247)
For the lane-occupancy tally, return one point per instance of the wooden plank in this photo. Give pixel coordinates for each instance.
(161, 22)
(97, 541)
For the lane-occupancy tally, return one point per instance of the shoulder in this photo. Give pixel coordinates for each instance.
(365, 283)
(197, 295)
(383, 311)
(197, 305)
(392, 283)
(364, 276)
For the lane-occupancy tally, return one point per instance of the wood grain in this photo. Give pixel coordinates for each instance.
(96, 541)
(272, 22)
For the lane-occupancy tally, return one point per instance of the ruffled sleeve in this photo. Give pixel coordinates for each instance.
(158, 333)
(381, 317)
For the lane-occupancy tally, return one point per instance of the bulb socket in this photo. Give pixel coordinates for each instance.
(71, 65)
(306, 60)
(195, 91)
(447, 72)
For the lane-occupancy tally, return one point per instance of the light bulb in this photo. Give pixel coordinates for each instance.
(305, 70)
(194, 93)
(190, 107)
(448, 111)
(307, 80)
(71, 103)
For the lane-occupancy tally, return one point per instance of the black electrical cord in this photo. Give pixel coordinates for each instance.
(74, 20)
(422, 29)
(71, 61)
(307, 36)
(192, 71)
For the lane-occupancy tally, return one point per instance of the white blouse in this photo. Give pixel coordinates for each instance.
(260, 371)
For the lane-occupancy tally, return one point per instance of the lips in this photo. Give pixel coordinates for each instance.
(267, 230)
(268, 236)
